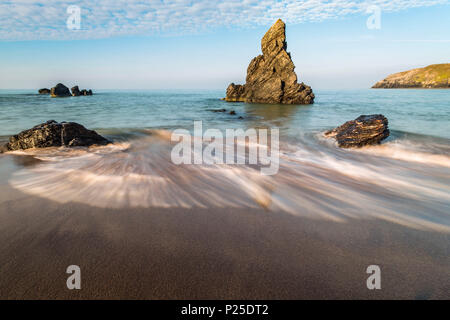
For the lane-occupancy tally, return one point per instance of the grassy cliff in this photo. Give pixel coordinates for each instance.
(433, 76)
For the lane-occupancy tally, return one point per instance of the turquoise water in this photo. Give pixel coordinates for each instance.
(424, 112)
(406, 180)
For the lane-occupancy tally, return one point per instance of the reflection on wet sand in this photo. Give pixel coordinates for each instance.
(26, 160)
(315, 180)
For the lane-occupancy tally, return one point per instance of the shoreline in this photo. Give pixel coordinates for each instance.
(211, 254)
(214, 253)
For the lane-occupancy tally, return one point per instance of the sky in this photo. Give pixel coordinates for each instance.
(207, 44)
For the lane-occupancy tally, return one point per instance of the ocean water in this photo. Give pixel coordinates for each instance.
(423, 112)
(406, 180)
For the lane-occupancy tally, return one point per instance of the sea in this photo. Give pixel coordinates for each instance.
(405, 180)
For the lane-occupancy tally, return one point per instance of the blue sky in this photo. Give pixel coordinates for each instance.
(208, 44)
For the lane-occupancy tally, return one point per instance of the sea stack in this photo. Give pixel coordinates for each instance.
(271, 77)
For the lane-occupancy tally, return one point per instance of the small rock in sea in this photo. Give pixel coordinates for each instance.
(364, 130)
(60, 90)
(232, 112)
(241, 117)
(54, 134)
(44, 91)
(75, 91)
(85, 92)
(219, 110)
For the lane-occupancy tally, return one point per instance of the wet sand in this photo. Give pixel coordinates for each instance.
(156, 253)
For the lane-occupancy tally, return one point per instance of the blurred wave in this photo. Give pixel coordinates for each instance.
(403, 181)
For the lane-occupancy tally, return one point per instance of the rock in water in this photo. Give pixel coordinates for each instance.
(60, 90)
(54, 134)
(271, 77)
(85, 92)
(364, 130)
(75, 91)
(44, 91)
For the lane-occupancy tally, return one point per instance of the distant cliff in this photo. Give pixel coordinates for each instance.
(433, 76)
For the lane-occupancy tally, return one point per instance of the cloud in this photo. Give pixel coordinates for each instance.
(34, 20)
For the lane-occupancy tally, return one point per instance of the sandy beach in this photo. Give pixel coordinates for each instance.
(225, 150)
(157, 253)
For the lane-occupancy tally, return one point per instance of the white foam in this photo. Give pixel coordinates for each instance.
(320, 182)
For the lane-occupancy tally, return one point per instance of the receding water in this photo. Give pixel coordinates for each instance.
(405, 180)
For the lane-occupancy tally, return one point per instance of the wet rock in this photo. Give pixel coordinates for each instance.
(55, 134)
(60, 90)
(232, 112)
(44, 91)
(218, 110)
(364, 130)
(85, 92)
(235, 93)
(75, 91)
(271, 77)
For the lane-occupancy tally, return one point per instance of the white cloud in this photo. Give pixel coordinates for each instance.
(31, 19)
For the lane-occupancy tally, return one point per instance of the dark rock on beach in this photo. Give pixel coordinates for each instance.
(55, 134)
(271, 77)
(60, 90)
(44, 91)
(364, 130)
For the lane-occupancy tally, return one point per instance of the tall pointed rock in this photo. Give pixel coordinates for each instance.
(271, 77)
